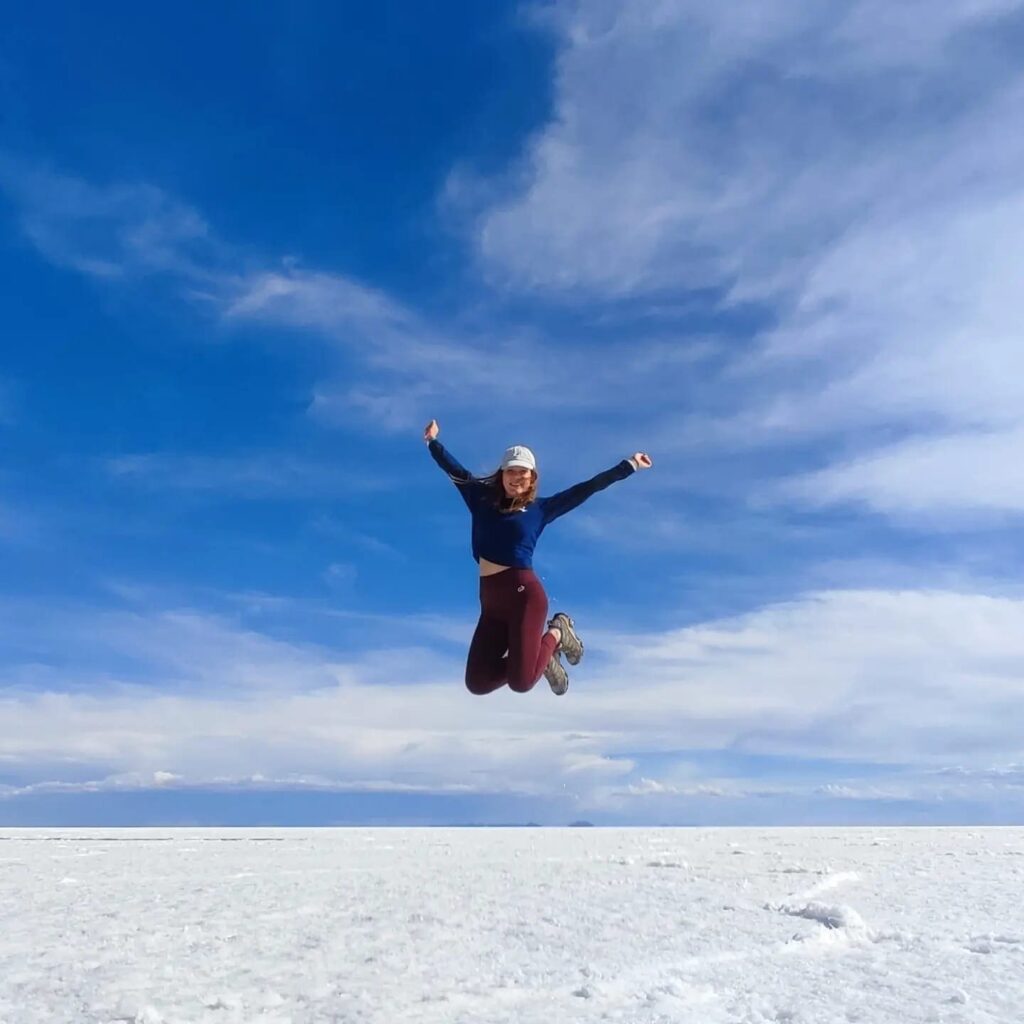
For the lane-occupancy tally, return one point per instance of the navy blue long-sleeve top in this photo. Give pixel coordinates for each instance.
(508, 538)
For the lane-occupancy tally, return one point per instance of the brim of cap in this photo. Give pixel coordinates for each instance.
(518, 463)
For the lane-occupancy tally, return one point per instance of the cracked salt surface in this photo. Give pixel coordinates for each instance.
(385, 926)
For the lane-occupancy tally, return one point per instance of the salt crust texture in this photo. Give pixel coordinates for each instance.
(646, 926)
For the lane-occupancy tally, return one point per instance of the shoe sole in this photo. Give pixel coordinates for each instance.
(557, 688)
(572, 658)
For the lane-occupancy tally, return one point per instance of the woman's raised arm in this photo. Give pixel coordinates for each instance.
(455, 470)
(565, 501)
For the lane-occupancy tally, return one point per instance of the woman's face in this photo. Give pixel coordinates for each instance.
(517, 481)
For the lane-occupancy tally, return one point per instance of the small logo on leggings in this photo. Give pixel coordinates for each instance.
(520, 589)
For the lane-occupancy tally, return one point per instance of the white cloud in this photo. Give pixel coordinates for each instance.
(924, 679)
(326, 302)
(1009, 774)
(981, 471)
(198, 696)
(135, 782)
(405, 366)
(886, 675)
(654, 787)
(261, 475)
(854, 168)
(990, 788)
(388, 367)
(108, 232)
(125, 230)
(690, 146)
(340, 575)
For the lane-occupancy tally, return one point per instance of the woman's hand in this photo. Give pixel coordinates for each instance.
(641, 460)
(431, 431)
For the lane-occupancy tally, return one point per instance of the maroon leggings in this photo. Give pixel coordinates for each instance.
(513, 609)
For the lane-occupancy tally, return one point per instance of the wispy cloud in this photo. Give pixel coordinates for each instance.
(923, 676)
(860, 182)
(407, 365)
(899, 796)
(388, 368)
(114, 231)
(692, 147)
(923, 679)
(980, 471)
(202, 698)
(255, 476)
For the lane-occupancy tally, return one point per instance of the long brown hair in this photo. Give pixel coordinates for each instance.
(501, 501)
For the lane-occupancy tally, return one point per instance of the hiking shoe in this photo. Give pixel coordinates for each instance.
(556, 675)
(571, 644)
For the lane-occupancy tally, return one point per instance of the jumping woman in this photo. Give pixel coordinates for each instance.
(510, 646)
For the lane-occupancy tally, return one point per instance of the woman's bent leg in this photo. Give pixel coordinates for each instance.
(530, 647)
(486, 667)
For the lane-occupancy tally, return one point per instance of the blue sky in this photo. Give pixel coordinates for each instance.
(246, 253)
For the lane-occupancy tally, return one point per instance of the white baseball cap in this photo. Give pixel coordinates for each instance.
(518, 455)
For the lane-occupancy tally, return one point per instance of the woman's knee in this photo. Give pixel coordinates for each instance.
(479, 684)
(521, 682)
